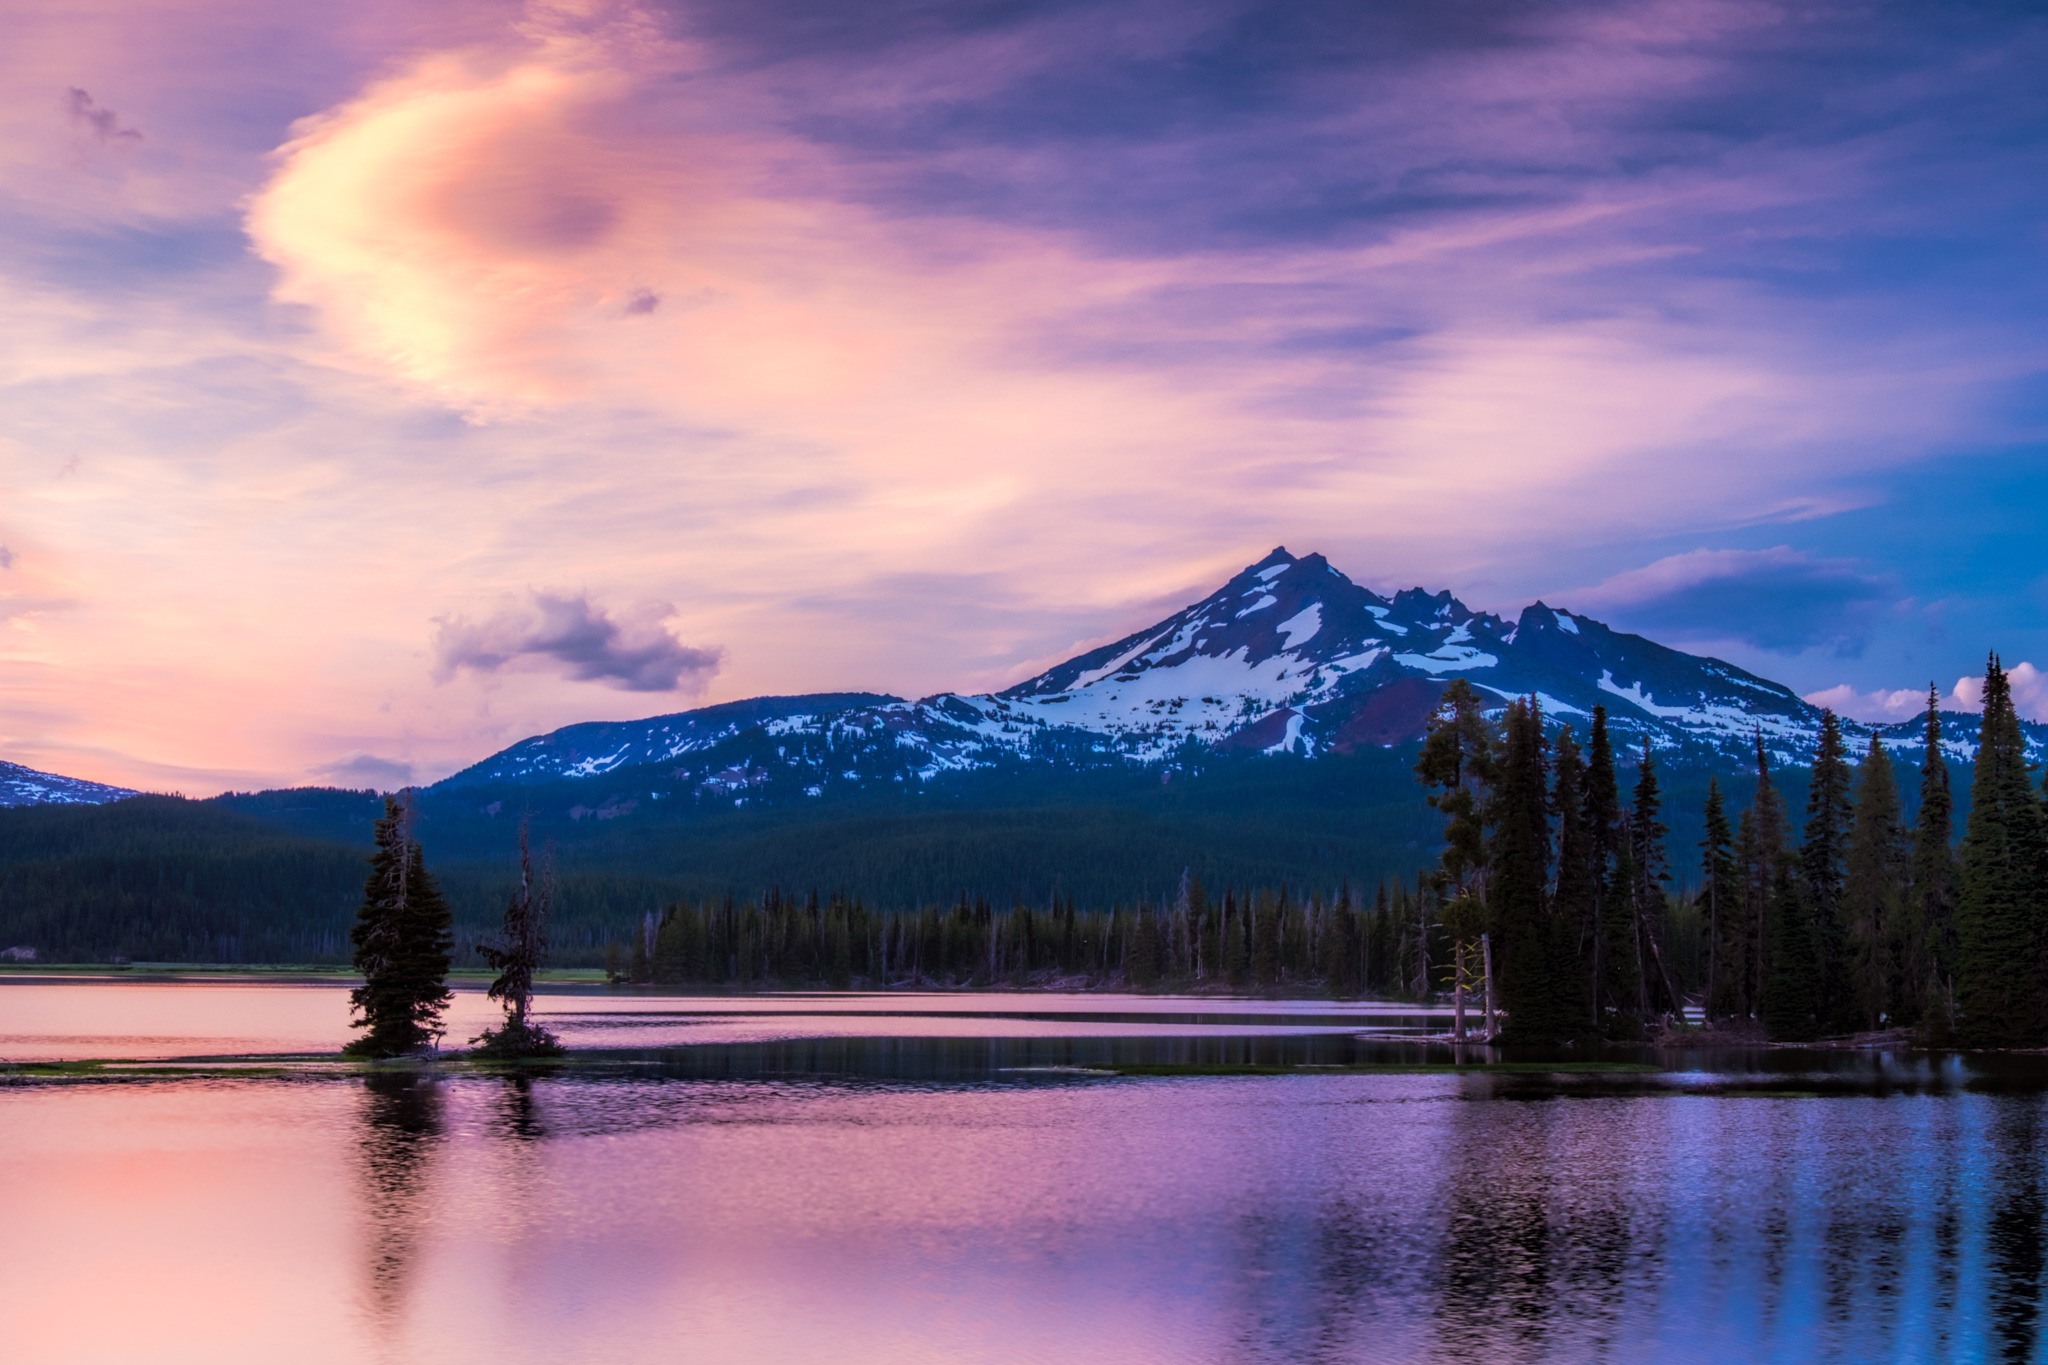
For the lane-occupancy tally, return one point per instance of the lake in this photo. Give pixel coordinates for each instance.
(970, 1178)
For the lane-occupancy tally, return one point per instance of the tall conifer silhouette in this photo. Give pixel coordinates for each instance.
(1650, 870)
(1998, 917)
(1873, 897)
(1931, 906)
(1821, 862)
(1458, 765)
(1720, 907)
(1572, 899)
(1617, 982)
(402, 940)
(1536, 974)
(521, 948)
(1788, 984)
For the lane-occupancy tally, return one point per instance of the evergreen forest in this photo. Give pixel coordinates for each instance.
(1552, 887)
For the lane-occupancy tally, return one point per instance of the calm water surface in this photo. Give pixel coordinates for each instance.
(882, 1180)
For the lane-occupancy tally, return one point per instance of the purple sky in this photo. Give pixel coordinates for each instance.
(384, 383)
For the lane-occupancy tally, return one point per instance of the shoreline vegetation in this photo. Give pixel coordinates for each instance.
(1548, 919)
(1554, 890)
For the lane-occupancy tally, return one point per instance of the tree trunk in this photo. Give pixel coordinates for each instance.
(1713, 951)
(1486, 965)
(1458, 991)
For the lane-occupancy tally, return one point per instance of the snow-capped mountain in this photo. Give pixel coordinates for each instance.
(601, 746)
(21, 786)
(1289, 656)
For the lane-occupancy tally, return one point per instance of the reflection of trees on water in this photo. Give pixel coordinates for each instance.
(1579, 1229)
(2014, 1234)
(401, 1130)
(518, 1115)
(1552, 1223)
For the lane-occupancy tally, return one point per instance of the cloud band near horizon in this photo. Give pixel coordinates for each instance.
(916, 350)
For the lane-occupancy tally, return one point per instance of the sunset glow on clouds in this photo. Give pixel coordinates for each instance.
(396, 358)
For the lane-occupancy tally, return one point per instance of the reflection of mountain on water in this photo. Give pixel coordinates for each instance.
(401, 1131)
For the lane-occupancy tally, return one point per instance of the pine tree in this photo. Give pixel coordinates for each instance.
(1788, 976)
(1873, 880)
(1720, 899)
(1930, 927)
(1746, 967)
(1792, 988)
(402, 939)
(1266, 915)
(1650, 870)
(1201, 937)
(1821, 863)
(518, 954)
(1142, 964)
(1572, 899)
(1534, 983)
(1458, 765)
(1343, 948)
(1998, 917)
(1621, 949)
(1381, 973)
(1610, 931)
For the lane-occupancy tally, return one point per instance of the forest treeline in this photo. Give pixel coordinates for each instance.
(1554, 912)
(1254, 939)
(273, 877)
(1836, 900)
(1558, 890)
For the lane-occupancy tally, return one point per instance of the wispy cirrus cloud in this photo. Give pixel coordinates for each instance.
(571, 634)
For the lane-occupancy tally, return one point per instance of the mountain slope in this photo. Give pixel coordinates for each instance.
(21, 786)
(596, 747)
(1289, 656)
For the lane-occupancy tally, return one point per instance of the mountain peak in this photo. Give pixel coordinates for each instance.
(1288, 656)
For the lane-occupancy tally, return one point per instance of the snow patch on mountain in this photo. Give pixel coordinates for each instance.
(1301, 627)
(20, 786)
(1289, 656)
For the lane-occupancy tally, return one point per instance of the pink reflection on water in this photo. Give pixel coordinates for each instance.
(55, 1019)
(617, 1215)
(468, 1220)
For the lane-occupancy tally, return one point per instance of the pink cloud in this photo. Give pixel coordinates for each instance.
(2029, 691)
(2029, 695)
(834, 405)
(1878, 707)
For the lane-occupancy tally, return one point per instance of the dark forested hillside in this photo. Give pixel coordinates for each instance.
(158, 878)
(274, 876)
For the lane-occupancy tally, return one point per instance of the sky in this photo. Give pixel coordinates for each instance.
(383, 383)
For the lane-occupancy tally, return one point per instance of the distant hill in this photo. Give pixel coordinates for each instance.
(274, 876)
(21, 786)
(159, 878)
